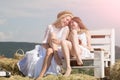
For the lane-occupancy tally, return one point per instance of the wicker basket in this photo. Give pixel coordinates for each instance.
(19, 55)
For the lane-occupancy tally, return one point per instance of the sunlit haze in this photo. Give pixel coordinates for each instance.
(26, 20)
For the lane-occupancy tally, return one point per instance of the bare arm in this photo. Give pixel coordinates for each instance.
(88, 41)
(46, 35)
(64, 37)
(45, 42)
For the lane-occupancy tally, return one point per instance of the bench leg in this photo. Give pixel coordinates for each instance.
(99, 64)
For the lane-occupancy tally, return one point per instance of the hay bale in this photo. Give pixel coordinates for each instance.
(53, 77)
(81, 77)
(9, 64)
(16, 77)
(71, 77)
(115, 71)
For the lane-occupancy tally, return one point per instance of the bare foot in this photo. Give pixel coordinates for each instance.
(57, 58)
(67, 73)
(80, 62)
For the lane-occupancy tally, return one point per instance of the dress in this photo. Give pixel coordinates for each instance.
(85, 52)
(31, 64)
(27, 64)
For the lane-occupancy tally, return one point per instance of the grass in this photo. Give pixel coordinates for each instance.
(115, 71)
(52, 77)
(9, 64)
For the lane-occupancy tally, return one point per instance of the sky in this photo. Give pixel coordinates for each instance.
(26, 20)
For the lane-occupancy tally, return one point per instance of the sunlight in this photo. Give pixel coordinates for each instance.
(110, 10)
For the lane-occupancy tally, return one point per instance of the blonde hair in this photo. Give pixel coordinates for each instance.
(61, 15)
(64, 13)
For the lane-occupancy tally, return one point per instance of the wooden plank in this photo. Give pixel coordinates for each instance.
(100, 41)
(85, 66)
(105, 47)
(99, 32)
(97, 36)
(86, 59)
(112, 47)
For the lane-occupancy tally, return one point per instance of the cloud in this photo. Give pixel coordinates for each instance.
(29, 8)
(21, 8)
(30, 13)
(2, 21)
(4, 36)
(17, 9)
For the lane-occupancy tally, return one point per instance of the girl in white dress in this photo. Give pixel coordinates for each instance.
(40, 61)
(57, 33)
(78, 44)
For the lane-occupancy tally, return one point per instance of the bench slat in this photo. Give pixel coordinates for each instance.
(101, 32)
(85, 66)
(100, 41)
(104, 47)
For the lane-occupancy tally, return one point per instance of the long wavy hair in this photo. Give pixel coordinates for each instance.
(80, 24)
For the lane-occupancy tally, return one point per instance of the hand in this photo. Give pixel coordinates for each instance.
(56, 41)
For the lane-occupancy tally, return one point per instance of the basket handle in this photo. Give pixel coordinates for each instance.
(20, 50)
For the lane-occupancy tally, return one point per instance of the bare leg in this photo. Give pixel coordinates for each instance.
(55, 49)
(46, 63)
(65, 47)
(75, 44)
(57, 58)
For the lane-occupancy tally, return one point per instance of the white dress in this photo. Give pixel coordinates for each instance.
(85, 52)
(31, 64)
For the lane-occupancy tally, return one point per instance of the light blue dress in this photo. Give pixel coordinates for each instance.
(31, 64)
(27, 64)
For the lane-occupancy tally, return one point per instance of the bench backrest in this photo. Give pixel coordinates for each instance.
(104, 39)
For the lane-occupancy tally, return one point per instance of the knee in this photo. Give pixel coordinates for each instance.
(49, 51)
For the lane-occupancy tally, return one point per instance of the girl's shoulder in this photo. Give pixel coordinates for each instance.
(87, 32)
(50, 26)
(84, 32)
(81, 31)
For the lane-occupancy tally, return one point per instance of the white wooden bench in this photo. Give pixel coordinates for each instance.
(103, 43)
